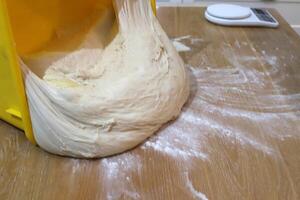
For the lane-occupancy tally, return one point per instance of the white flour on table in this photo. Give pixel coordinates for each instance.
(187, 139)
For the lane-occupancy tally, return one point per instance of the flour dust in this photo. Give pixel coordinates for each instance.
(235, 106)
(221, 100)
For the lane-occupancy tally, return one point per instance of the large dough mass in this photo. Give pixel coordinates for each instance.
(99, 102)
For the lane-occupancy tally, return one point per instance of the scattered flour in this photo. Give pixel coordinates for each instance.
(197, 194)
(176, 143)
(271, 60)
(180, 47)
(253, 49)
(182, 38)
(185, 43)
(218, 96)
(116, 175)
(245, 43)
(237, 44)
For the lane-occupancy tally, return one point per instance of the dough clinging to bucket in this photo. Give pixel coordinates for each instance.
(99, 102)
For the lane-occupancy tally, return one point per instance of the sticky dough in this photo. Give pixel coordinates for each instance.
(99, 102)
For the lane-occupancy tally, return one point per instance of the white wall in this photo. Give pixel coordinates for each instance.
(289, 9)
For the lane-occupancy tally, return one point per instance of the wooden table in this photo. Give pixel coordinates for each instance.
(237, 138)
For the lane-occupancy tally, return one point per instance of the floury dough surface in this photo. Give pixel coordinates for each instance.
(99, 102)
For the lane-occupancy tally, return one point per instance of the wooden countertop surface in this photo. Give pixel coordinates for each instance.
(237, 138)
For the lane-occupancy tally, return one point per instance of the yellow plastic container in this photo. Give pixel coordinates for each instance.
(26, 26)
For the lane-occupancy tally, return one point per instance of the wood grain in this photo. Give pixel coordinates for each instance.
(243, 115)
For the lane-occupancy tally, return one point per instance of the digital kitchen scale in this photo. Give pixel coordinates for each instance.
(234, 15)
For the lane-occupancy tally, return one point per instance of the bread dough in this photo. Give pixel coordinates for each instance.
(99, 102)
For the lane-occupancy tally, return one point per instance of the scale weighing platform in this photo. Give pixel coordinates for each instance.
(234, 15)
